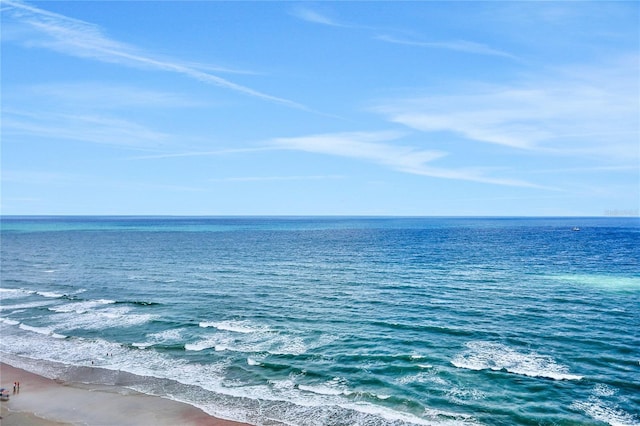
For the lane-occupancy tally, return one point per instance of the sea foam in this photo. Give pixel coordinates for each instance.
(272, 342)
(4, 307)
(42, 330)
(82, 306)
(482, 355)
(49, 294)
(14, 293)
(606, 412)
(234, 326)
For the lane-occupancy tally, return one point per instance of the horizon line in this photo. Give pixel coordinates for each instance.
(328, 216)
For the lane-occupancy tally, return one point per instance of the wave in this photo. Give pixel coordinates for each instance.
(430, 417)
(244, 337)
(159, 346)
(253, 362)
(41, 330)
(170, 339)
(324, 390)
(606, 412)
(390, 361)
(163, 336)
(50, 294)
(138, 303)
(313, 404)
(23, 306)
(14, 293)
(271, 342)
(422, 377)
(81, 307)
(601, 389)
(422, 328)
(234, 326)
(144, 345)
(104, 318)
(601, 407)
(289, 401)
(482, 355)
(201, 346)
(335, 386)
(96, 314)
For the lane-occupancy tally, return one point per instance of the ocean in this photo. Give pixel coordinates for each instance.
(332, 320)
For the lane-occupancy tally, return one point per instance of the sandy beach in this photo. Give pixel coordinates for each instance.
(45, 402)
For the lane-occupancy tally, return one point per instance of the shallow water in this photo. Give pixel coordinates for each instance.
(335, 321)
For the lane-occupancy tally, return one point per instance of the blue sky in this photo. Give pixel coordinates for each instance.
(327, 108)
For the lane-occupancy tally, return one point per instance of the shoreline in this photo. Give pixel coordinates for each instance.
(45, 402)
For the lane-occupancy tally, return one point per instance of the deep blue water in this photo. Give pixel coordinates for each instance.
(335, 321)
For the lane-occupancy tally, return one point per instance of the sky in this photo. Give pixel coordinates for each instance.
(320, 108)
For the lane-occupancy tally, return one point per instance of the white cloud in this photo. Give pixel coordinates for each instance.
(215, 153)
(89, 112)
(82, 39)
(315, 17)
(458, 45)
(590, 170)
(276, 178)
(375, 147)
(580, 111)
(361, 145)
(96, 95)
(94, 128)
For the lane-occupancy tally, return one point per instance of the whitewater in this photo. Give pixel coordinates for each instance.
(335, 320)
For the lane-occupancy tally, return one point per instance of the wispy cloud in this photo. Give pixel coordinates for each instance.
(99, 96)
(376, 147)
(582, 111)
(316, 17)
(477, 175)
(589, 170)
(82, 39)
(36, 177)
(310, 15)
(458, 45)
(276, 178)
(93, 128)
(67, 179)
(90, 112)
(154, 187)
(213, 153)
(362, 145)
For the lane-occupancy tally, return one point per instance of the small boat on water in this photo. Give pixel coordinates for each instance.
(575, 228)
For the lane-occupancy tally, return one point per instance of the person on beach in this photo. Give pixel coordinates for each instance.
(15, 384)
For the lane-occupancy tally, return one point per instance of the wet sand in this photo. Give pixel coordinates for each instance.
(45, 402)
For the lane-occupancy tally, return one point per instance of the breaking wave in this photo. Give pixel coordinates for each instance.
(481, 355)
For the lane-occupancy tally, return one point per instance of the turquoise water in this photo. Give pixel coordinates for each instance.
(336, 321)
